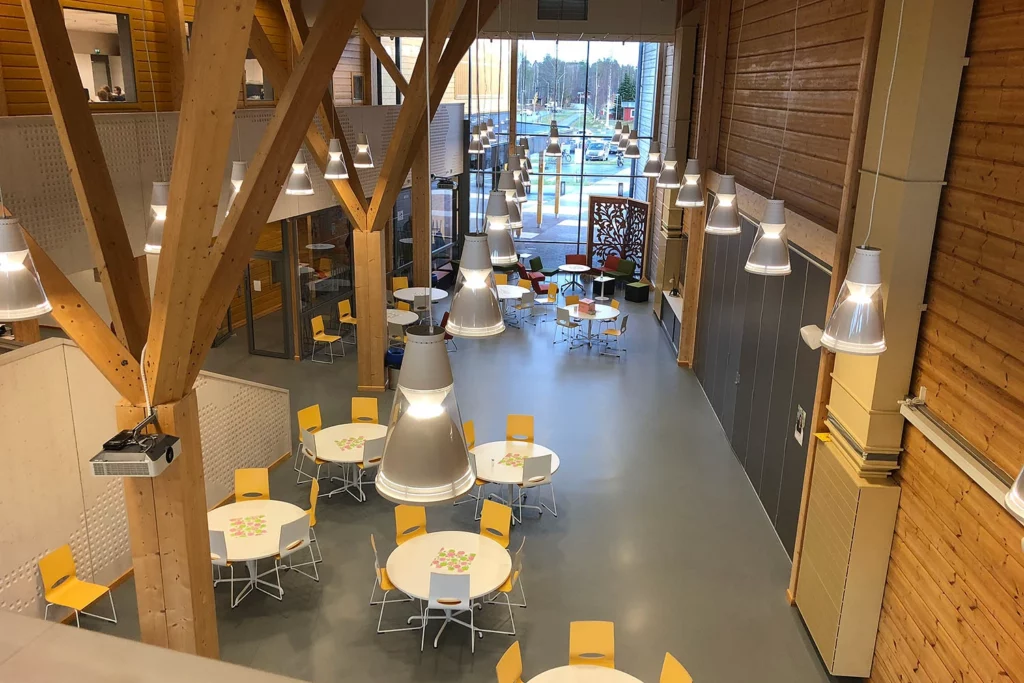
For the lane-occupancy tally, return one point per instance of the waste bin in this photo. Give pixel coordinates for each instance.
(393, 364)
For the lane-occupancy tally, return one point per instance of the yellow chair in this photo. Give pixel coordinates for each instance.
(615, 336)
(673, 672)
(592, 642)
(364, 409)
(63, 588)
(571, 299)
(403, 306)
(314, 493)
(604, 324)
(345, 316)
(510, 666)
(410, 522)
(615, 304)
(525, 284)
(321, 337)
(383, 582)
(252, 483)
(470, 431)
(496, 522)
(505, 590)
(519, 428)
(552, 294)
(501, 278)
(309, 419)
(399, 282)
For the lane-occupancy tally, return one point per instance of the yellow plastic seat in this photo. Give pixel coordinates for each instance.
(62, 587)
(592, 643)
(252, 483)
(501, 278)
(345, 316)
(571, 299)
(519, 428)
(309, 419)
(496, 522)
(510, 666)
(410, 522)
(525, 284)
(674, 672)
(470, 431)
(382, 573)
(321, 337)
(383, 582)
(364, 409)
(552, 294)
(403, 306)
(615, 304)
(399, 282)
(314, 494)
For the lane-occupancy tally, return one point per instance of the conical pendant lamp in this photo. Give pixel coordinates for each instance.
(624, 138)
(299, 183)
(690, 194)
(475, 146)
(517, 177)
(725, 215)
(618, 133)
(856, 324)
(669, 177)
(21, 293)
(158, 205)
(553, 149)
(632, 146)
(336, 169)
(485, 135)
(238, 171)
(769, 255)
(475, 310)
(362, 159)
(425, 459)
(490, 132)
(499, 237)
(525, 144)
(652, 169)
(515, 214)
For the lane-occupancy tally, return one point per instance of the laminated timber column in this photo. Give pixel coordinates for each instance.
(368, 255)
(421, 217)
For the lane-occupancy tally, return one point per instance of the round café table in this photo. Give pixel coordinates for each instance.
(252, 532)
(411, 564)
(409, 294)
(343, 445)
(400, 317)
(602, 313)
(508, 294)
(583, 673)
(493, 466)
(319, 246)
(574, 270)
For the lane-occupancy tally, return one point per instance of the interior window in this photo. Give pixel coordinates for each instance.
(102, 44)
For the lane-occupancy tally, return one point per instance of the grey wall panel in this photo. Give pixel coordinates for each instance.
(721, 247)
(733, 266)
(703, 314)
(764, 373)
(748, 361)
(735, 334)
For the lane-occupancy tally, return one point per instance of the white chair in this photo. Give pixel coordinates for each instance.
(421, 304)
(449, 593)
(396, 335)
(307, 444)
(382, 582)
(373, 453)
(564, 326)
(477, 497)
(536, 473)
(294, 537)
(219, 559)
(515, 578)
(525, 308)
(615, 336)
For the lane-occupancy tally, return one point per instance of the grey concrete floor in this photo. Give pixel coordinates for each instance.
(658, 529)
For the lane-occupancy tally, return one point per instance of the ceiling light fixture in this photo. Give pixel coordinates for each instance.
(724, 217)
(553, 149)
(624, 138)
(299, 184)
(158, 207)
(21, 293)
(336, 168)
(652, 169)
(475, 310)
(238, 171)
(769, 255)
(499, 237)
(632, 146)
(668, 179)
(618, 133)
(691, 195)
(362, 159)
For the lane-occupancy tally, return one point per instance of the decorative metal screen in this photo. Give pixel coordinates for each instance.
(617, 226)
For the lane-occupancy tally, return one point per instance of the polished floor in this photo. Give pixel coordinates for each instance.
(658, 529)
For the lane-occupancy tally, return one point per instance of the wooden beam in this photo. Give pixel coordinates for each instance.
(3, 91)
(269, 168)
(371, 307)
(220, 38)
(26, 331)
(86, 328)
(513, 90)
(386, 61)
(840, 262)
(108, 239)
(177, 49)
(421, 267)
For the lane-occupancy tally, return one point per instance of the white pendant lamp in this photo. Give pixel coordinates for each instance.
(362, 159)
(475, 145)
(690, 194)
(624, 138)
(618, 133)
(769, 255)
(299, 183)
(336, 169)
(505, 184)
(553, 149)
(158, 205)
(632, 146)
(525, 145)
(856, 324)
(475, 310)
(485, 135)
(669, 177)
(490, 131)
(238, 171)
(21, 293)
(425, 460)
(652, 169)
(499, 237)
(725, 215)
(515, 214)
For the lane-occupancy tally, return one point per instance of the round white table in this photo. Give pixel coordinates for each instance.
(582, 673)
(343, 445)
(400, 317)
(492, 464)
(574, 270)
(602, 313)
(510, 292)
(252, 531)
(409, 294)
(320, 246)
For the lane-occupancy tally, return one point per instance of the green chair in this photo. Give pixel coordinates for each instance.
(537, 265)
(624, 270)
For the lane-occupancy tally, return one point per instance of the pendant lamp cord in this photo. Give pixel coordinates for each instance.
(789, 100)
(735, 80)
(426, 73)
(152, 88)
(885, 118)
(479, 114)
(703, 70)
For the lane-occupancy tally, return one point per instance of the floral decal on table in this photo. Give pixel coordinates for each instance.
(351, 443)
(455, 561)
(512, 460)
(253, 525)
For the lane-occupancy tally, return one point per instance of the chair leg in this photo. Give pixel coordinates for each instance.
(383, 603)
(112, 620)
(313, 541)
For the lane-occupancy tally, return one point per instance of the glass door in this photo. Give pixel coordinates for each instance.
(268, 297)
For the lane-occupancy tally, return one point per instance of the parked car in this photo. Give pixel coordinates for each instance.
(597, 151)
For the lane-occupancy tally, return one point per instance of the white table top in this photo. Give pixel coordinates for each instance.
(320, 246)
(580, 673)
(351, 448)
(603, 278)
(573, 268)
(401, 317)
(410, 293)
(489, 455)
(510, 292)
(410, 565)
(601, 312)
(252, 528)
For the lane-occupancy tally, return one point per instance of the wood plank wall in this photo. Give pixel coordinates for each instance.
(829, 37)
(20, 72)
(953, 607)
(351, 64)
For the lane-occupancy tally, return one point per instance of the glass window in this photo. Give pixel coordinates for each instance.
(387, 91)
(401, 235)
(256, 88)
(102, 44)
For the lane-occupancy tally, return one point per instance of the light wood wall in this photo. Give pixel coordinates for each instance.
(953, 607)
(354, 60)
(23, 83)
(829, 38)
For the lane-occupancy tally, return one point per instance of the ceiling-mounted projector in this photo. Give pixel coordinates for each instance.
(133, 454)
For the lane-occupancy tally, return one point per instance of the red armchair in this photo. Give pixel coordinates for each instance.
(527, 275)
(611, 265)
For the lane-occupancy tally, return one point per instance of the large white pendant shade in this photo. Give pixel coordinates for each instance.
(425, 459)
(632, 146)
(553, 149)
(618, 133)
(299, 183)
(515, 214)
(490, 132)
(485, 136)
(669, 177)
(238, 171)
(158, 207)
(623, 143)
(769, 254)
(517, 176)
(690, 194)
(724, 218)
(475, 145)
(336, 169)
(499, 237)
(524, 143)
(21, 293)
(652, 169)
(362, 159)
(856, 325)
(475, 310)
